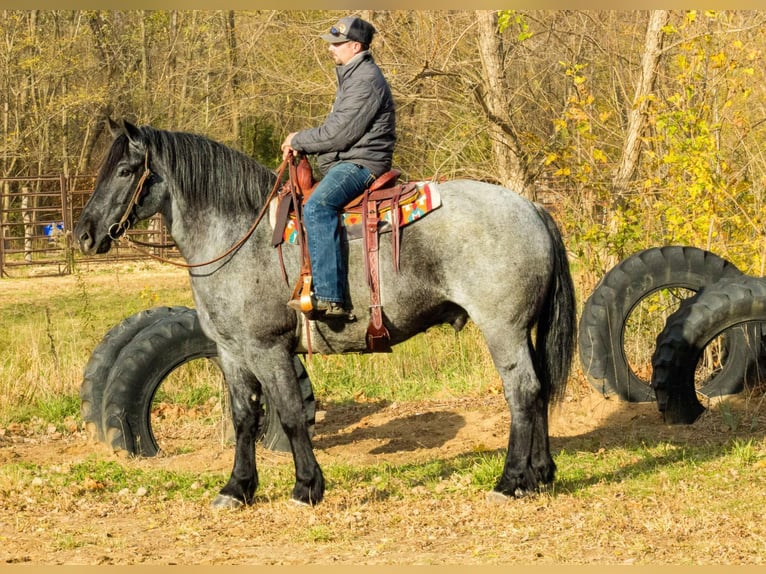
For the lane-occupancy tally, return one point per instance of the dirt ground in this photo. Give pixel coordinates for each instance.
(594, 522)
(353, 527)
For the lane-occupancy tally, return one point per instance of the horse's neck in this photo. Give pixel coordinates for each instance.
(205, 234)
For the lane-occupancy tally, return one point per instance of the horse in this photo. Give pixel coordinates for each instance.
(487, 254)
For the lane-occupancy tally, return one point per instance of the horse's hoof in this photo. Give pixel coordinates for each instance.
(226, 502)
(296, 502)
(495, 497)
(501, 497)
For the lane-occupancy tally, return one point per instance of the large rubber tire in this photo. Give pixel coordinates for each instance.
(102, 359)
(146, 360)
(698, 321)
(602, 324)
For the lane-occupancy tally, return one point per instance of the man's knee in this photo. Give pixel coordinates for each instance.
(315, 209)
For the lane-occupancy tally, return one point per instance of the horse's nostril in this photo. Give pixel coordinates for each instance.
(85, 241)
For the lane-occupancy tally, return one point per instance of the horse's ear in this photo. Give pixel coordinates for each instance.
(133, 133)
(114, 127)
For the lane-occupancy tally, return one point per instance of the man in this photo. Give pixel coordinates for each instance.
(354, 145)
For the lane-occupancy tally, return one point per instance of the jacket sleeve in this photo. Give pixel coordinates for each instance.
(351, 116)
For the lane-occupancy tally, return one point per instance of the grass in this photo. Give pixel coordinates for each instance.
(438, 364)
(101, 480)
(638, 470)
(52, 325)
(640, 503)
(624, 494)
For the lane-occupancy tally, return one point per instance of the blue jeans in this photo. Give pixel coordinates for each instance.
(342, 183)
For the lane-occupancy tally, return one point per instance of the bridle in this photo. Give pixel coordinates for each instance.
(116, 230)
(123, 224)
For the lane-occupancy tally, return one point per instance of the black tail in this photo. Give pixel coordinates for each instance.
(557, 324)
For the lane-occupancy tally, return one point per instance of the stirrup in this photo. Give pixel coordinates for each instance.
(302, 299)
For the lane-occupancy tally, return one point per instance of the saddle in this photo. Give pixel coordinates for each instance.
(384, 195)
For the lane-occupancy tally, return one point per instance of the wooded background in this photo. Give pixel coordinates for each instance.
(643, 128)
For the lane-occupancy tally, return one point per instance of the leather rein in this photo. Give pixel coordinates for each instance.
(121, 227)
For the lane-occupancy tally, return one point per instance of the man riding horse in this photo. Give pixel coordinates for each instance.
(354, 145)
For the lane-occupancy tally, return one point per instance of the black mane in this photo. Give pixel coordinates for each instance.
(207, 173)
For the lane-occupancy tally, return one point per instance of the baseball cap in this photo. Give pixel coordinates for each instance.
(350, 28)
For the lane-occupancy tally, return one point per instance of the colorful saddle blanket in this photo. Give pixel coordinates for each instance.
(410, 210)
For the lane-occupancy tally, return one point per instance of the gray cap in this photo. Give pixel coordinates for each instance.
(350, 28)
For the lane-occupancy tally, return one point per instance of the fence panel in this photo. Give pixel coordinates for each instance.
(38, 215)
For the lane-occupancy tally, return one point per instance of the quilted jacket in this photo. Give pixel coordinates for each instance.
(361, 125)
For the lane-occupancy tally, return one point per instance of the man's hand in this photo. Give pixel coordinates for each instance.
(287, 148)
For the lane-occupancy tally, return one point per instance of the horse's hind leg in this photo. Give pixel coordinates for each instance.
(528, 462)
(244, 392)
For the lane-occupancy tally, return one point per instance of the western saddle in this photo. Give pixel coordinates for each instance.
(383, 194)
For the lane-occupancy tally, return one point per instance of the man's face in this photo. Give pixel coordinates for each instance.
(343, 52)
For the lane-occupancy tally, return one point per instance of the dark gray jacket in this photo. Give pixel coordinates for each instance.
(361, 126)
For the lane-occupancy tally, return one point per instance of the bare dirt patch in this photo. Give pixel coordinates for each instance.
(590, 519)
(360, 526)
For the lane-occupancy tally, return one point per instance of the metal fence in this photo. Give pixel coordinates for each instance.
(37, 216)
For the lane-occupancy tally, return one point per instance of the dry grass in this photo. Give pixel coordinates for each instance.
(407, 476)
(630, 491)
(51, 325)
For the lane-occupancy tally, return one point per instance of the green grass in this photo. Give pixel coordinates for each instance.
(437, 364)
(53, 324)
(103, 479)
(637, 471)
(621, 494)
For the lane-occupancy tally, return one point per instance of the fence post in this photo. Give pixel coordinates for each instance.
(3, 208)
(27, 216)
(65, 184)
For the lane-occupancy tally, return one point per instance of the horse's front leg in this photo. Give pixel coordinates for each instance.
(276, 372)
(244, 392)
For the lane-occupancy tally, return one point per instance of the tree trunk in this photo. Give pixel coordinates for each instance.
(231, 42)
(144, 66)
(637, 116)
(510, 161)
(27, 216)
(94, 131)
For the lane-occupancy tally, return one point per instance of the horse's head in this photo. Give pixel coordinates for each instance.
(126, 191)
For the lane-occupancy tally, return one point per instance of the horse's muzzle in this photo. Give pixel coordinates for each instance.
(88, 244)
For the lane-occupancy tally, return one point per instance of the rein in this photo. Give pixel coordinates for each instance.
(137, 195)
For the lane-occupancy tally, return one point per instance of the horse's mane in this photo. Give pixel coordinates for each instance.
(208, 173)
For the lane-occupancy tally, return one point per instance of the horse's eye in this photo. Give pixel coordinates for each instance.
(124, 172)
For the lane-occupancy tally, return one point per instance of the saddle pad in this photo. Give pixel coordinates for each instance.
(426, 199)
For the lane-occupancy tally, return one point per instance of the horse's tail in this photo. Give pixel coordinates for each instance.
(557, 324)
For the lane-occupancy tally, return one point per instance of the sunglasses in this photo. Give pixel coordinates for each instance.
(338, 34)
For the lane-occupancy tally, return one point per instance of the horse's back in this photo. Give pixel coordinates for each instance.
(485, 250)
(492, 218)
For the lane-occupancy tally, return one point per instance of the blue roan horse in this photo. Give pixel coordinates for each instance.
(487, 254)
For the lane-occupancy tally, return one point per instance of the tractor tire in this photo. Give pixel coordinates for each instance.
(605, 313)
(140, 366)
(699, 320)
(102, 359)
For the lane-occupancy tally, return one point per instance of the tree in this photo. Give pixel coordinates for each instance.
(494, 95)
(639, 109)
